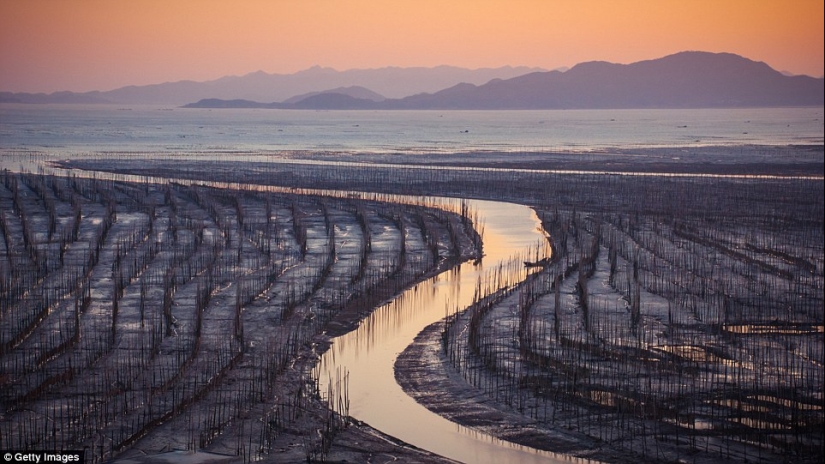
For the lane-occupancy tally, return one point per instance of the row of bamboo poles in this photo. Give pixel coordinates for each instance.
(134, 310)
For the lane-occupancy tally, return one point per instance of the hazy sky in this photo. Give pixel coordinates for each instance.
(79, 45)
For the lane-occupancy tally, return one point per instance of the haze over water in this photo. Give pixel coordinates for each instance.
(72, 129)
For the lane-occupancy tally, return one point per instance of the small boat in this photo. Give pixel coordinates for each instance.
(540, 263)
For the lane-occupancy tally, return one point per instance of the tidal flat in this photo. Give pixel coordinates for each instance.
(679, 316)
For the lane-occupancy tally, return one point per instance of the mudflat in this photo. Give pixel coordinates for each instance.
(680, 317)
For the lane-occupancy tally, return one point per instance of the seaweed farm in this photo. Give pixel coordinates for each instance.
(677, 318)
(691, 336)
(187, 317)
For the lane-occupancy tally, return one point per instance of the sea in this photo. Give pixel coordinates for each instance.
(100, 129)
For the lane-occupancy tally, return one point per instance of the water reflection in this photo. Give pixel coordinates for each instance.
(512, 232)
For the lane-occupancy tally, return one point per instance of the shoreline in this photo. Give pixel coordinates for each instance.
(795, 160)
(801, 160)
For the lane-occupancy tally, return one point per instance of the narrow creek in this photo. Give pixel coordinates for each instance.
(368, 354)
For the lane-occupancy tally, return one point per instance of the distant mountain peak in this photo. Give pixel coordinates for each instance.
(683, 79)
(354, 91)
(389, 82)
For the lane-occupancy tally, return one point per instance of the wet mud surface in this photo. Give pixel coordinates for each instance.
(143, 318)
(695, 277)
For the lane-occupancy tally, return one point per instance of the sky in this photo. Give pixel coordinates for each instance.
(82, 45)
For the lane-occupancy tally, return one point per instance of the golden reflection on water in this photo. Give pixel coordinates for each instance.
(365, 357)
(512, 235)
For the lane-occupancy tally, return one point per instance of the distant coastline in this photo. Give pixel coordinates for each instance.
(682, 80)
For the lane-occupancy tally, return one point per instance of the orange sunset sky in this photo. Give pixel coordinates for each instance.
(80, 45)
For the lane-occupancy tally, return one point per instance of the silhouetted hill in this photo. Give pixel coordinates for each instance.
(320, 101)
(56, 97)
(332, 101)
(683, 80)
(354, 91)
(263, 87)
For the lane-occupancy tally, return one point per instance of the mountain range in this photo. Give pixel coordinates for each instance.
(389, 82)
(681, 80)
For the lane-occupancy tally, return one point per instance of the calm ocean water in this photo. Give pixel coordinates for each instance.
(66, 129)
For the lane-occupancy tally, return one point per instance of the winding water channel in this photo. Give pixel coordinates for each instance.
(369, 353)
